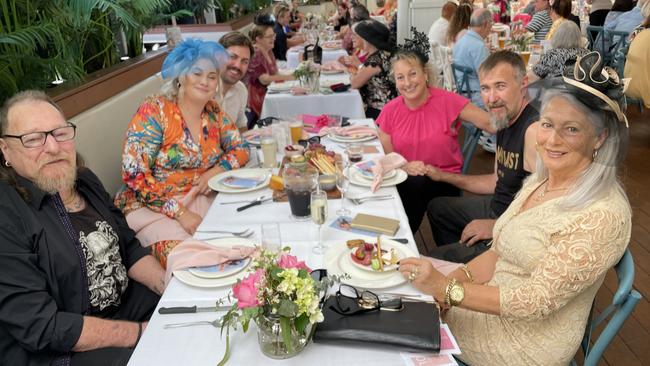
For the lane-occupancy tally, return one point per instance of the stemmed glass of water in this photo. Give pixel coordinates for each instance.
(319, 215)
(342, 183)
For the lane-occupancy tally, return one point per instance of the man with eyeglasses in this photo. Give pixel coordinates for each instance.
(232, 94)
(76, 286)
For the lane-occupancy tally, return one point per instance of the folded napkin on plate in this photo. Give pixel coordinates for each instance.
(252, 133)
(196, 253)
(348, 131)
(333, 65)
(383, 165)
(317, 122)
(299, 90)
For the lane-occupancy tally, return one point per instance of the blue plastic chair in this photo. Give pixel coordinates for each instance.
(617, 42)
(472, 134)
(623, 303)
(595, 37)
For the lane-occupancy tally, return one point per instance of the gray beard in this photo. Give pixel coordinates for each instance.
(65, 181)
(499, 122)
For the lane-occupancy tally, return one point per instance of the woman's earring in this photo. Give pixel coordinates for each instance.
(594, 155)
(7, 164)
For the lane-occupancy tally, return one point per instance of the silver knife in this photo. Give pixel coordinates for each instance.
(192, 309)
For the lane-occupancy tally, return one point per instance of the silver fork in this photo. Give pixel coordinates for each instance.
(358, 201)
(242, 234)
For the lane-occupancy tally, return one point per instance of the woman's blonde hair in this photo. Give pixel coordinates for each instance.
(414, 59)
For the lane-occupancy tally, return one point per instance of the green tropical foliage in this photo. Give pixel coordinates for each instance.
(46, 40)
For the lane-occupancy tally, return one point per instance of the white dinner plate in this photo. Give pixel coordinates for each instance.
(384, 246)
(220, 270)
(189, 279)
(338, 138)
(358, 179)
(337, 263)
(331, 72)
(388, 175)
(215, 184)
(253, 140)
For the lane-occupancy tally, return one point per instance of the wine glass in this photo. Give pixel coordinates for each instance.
(319, 215)
(342, 183)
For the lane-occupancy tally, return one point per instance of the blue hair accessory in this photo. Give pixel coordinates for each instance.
(181, 59)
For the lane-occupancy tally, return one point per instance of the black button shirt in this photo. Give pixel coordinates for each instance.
(43, 284)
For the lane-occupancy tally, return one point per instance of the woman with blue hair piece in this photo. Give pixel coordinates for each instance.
(174, 144)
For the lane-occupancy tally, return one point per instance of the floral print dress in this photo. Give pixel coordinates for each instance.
(161, 161)
(380, 89)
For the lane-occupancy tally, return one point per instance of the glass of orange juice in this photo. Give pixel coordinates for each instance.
(295, 126)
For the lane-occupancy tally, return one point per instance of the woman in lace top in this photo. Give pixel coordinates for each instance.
(526, 300)
(566, 46)
(373, 78)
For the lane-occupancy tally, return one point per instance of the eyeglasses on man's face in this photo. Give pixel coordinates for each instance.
(38, 139)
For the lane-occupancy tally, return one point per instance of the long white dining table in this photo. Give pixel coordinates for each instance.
(347, 104)
(204, 345)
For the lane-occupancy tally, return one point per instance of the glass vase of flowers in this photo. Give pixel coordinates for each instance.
(308, 73)
(281, 297)
(520, 38)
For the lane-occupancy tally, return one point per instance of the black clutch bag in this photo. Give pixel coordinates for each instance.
(415, 328)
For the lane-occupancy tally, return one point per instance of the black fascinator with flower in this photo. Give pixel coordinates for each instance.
(418, 45)
(596, 85)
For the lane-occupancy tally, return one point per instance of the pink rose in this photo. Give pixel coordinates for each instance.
(246, 290)
(289, 261)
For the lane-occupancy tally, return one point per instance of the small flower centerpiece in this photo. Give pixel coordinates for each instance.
(308, 72)
(281, 297)
(520, 38)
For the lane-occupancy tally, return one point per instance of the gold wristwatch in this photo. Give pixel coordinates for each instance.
(454, 293)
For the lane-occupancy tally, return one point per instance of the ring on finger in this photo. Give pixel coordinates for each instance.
(412, 276)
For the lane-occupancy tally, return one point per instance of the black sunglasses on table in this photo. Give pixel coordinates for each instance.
(309, 141)
(266, 121)
(349, 301)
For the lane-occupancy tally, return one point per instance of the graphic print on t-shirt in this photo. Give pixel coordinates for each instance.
(107, 278)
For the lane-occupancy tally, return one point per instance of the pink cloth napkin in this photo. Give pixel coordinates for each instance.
(443, 267)
(348, 131)
(151, 227)
(333, 65)
(196, 253)
(384, 165)
(317, 122)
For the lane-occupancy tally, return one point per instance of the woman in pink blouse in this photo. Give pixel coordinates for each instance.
(422, 126)
(262, 69)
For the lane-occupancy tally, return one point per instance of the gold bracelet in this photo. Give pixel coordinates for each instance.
(448, 292)
(179, 213)
(467, 273)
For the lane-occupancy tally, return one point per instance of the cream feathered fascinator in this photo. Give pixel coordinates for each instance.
(597, 86)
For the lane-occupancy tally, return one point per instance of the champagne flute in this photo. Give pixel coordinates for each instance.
(319, 215)
(342, 183)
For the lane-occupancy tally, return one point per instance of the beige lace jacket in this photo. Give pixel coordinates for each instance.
(551, 263)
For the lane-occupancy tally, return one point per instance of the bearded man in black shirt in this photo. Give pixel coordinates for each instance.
(462, 226)
(76, 286)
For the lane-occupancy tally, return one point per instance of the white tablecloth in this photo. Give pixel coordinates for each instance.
(347, 104)
(328, 55)
(203, 345)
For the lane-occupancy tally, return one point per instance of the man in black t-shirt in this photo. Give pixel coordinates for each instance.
(76, 286)
(462, 226)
